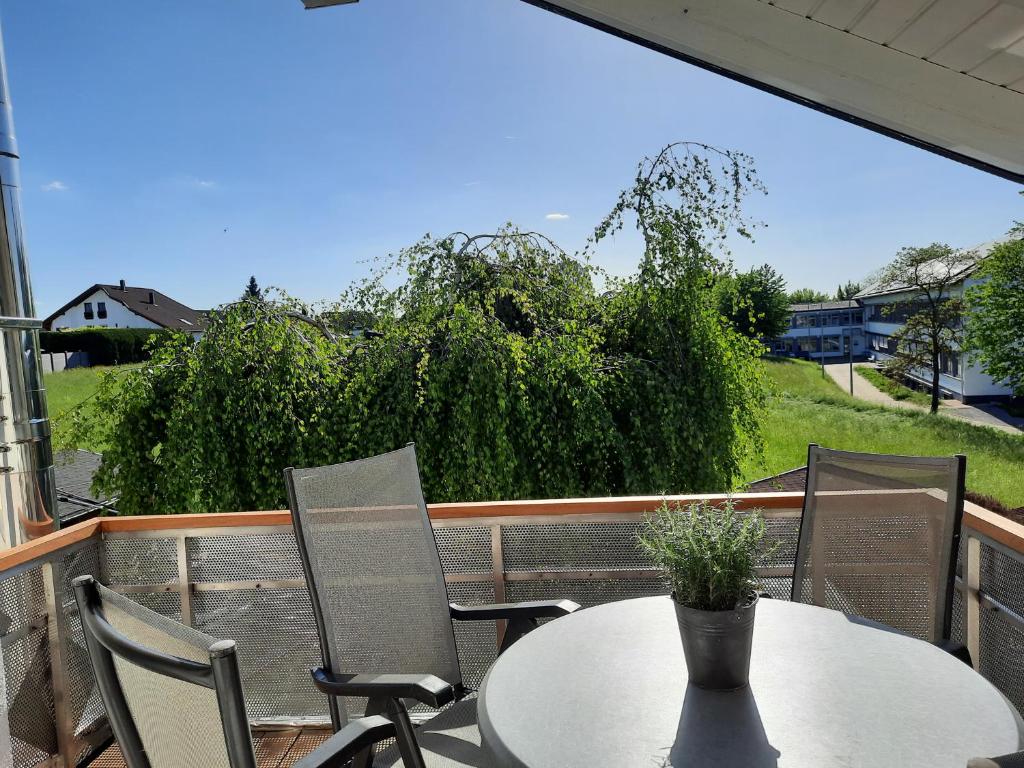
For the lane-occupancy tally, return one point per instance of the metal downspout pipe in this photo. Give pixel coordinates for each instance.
(28, 498)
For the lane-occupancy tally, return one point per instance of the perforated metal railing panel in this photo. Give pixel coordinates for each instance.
(85, 709)
(1002, 630)
(141, 560)
(249, 586)
(277, 646)
(32, 726)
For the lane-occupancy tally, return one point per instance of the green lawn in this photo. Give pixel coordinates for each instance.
(810, 409)
(67, 389)
(893, 388)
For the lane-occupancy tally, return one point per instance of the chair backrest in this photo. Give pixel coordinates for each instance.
(373, 569)
(173, 695)
(880, 536)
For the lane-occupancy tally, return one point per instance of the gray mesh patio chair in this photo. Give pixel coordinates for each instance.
(1016, 760)
(174, 696)
(879, 538)
(381, 606)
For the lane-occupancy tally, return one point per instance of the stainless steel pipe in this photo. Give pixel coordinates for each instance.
(28, 496)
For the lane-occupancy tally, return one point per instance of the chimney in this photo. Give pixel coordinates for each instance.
(28, 489)
(123, 286)
(152, 298)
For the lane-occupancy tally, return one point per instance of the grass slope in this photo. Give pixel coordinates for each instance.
(812, 409)
(893, 388)
(67, 389)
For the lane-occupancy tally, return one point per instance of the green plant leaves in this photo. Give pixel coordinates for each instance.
(708, 552)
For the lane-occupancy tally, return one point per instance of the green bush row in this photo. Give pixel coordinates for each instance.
(106, 346)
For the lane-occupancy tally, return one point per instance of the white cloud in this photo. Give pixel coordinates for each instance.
(471, 184)
(511, 138)
(55, 186)
(557, 216)
(204, 183)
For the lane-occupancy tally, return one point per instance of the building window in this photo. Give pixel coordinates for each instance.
(88, 310)
(949, 365)
(808, 343)
(101, 310)
(832, 344)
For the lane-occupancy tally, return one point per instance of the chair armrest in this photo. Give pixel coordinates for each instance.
(343, 746)
(956, 649)
(426, 689)
(537, 609)
(1006, 761)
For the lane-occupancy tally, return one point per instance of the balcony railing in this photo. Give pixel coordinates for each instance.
(239, 576)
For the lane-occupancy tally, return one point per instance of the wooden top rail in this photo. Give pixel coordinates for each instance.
(990, 524)
(996, 527)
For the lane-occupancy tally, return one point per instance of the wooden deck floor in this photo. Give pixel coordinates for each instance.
(274, 748)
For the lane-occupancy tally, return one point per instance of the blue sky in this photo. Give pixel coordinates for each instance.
(186, 145)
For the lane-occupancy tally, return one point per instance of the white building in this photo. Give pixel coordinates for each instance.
(125, 306)
(960, 379)
(832, 331)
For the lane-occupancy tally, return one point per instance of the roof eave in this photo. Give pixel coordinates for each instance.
(827, 69)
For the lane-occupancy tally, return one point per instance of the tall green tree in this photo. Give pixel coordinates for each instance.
(252, 289)
(808, 296)
(848, 291)
(495, 353)
(755, 302)
(995, 321)
(923, 280)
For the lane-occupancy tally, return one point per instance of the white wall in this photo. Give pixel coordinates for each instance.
(972, 382)
(859, 343)
(118, 316)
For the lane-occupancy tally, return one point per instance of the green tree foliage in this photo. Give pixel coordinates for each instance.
(922, 279)
(496, 354)
(807, 296)
(755, 302)
(848, 291)
(995, 323)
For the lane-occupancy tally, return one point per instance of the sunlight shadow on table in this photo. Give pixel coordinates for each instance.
(723, 729)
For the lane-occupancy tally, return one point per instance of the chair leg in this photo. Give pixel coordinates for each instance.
(516, 629)
(365, 758)
(405, 736)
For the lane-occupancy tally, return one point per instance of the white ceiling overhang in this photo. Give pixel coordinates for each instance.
(947, 75)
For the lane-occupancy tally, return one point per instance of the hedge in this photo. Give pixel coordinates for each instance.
(106, 346)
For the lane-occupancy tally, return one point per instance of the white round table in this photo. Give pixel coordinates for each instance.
(606, 688)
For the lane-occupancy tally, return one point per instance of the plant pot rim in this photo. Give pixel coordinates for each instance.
(750, 603)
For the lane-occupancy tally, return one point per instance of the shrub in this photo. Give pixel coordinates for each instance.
(708, 552)
(106, 346)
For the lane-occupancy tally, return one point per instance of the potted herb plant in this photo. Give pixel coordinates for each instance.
(708, 552)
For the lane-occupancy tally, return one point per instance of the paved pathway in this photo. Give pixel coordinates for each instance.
(863, 389)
